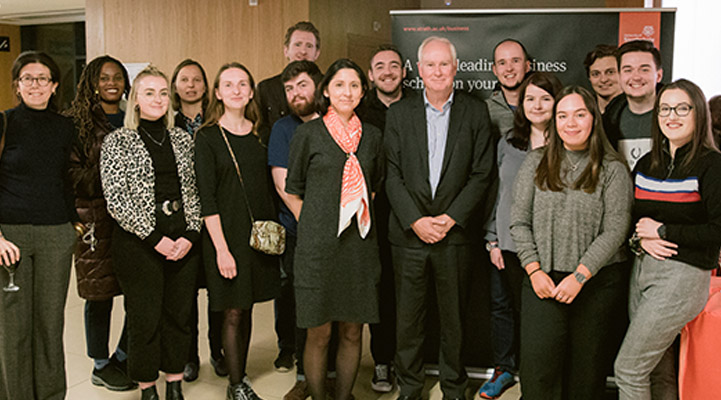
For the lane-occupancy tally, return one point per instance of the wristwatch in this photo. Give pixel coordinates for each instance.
(580, 278)
(491, 245)
(661, 231)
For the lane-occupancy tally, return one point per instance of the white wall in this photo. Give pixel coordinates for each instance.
(697, 43)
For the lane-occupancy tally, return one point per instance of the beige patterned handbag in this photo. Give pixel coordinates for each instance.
(265, 236)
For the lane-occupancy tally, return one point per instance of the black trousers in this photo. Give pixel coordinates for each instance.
(447, 267)
(565, 347)
(158, 299)
(383, 334)
(215, 323)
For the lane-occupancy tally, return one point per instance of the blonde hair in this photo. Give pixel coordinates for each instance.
(132, 115)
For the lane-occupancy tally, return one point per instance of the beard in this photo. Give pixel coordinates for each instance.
(302, 109)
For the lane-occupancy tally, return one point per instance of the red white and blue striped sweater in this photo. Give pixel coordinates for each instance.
(687, 202)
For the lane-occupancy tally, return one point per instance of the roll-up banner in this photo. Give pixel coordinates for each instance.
(556, 39)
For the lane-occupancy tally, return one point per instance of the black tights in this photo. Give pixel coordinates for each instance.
(236, 340)
(315, 358)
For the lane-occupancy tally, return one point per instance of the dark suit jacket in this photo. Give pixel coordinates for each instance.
(273, 105)
(465, 174)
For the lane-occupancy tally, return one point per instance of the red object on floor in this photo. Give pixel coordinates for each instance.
(700, 360)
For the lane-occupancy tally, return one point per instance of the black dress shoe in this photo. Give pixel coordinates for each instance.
(190, 373)
(173, 391)
(408, 398)
(149, 394)
(219, 366)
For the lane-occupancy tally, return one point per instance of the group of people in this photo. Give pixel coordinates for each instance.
(384, 195)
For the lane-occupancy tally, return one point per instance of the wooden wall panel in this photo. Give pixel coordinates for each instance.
(493, 4)
(212, 32)
(341, 22)
(7, 97)
(94, 29)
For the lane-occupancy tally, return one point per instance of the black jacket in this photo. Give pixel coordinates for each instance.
(465, 174)
(687, 202)
(273, 105)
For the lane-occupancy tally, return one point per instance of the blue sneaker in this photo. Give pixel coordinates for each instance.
(499, 383)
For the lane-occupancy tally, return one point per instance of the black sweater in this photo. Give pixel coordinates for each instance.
(688, 203)
(34, 184)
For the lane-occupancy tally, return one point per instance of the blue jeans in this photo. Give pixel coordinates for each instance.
(506, 311)
(663, 297)
(97, 329)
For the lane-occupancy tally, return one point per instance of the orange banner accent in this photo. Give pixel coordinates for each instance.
(639, 26)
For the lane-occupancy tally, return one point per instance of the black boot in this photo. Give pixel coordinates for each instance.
(149, 394)
(173, 391)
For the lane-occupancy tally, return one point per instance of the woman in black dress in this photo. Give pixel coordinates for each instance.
(237, 275)
(334, 168)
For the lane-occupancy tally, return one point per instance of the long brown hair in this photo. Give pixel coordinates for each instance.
(702, 138)
(216, 109)
(521, 133)
(548, 173)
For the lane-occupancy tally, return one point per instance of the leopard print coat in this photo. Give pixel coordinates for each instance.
(128, 180)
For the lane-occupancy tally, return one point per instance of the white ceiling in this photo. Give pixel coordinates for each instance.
(17, 8)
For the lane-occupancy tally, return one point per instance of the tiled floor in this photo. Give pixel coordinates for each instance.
(268, 383)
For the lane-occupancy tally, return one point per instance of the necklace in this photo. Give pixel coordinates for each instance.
(573, 166)
(159, 143)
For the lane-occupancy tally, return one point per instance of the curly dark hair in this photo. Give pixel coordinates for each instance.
(85, 109)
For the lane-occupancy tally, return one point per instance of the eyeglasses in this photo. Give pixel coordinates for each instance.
(27, 80)
(681, 110)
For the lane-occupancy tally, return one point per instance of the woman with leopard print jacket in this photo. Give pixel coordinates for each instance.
(148, 177)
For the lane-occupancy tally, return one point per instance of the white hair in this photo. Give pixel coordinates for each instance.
(429, 39)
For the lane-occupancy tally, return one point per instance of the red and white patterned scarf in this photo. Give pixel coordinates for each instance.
(354, 194)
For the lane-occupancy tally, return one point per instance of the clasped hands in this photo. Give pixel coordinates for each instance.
(660, 249)
(433, 229)
(565, 292)
(173, 250)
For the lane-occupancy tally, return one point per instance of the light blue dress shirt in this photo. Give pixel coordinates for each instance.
(437, 122)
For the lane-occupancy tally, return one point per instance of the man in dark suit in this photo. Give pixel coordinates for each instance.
(440, 161)
(302, 42)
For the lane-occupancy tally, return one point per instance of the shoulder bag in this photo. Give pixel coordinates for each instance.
(265, 236)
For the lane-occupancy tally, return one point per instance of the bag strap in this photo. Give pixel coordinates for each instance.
(3, 134)
(237, 170)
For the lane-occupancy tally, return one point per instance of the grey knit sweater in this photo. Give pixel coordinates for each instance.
(563, 229)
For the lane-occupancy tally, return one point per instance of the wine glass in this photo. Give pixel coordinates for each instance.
(11, 287)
